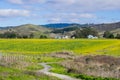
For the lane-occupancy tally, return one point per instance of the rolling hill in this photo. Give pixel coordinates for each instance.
(112, 27)
(59, 29)
(30, 28)
(101, 28)
(107, 27)
(27, 29)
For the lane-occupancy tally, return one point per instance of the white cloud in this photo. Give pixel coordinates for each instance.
(81, 15)
(75, 20)
(68, 17)
(54, 20)
(26, 1)
(13, 13)
(16, 1)
(73, 5)
(36, 1)
(87, 15)
(59, 2)
(65, 10)
(84, 5)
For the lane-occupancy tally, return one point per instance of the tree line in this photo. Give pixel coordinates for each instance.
(79, 33)
(84, 32)
(12, 34)
(108, 34)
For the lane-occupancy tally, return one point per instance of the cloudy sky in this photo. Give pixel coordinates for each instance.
(17, 12)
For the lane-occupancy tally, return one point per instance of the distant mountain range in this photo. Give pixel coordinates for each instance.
(64, 25)
(60, 28)
(58, 25)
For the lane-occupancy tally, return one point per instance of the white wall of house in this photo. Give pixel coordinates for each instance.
(62, 37)
(92, 37)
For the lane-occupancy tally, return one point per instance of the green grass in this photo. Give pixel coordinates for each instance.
(50, 59)
(58, 68)
(78, 46)
(12, 74)
(35, 67)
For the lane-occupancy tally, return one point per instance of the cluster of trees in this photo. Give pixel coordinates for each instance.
(12, 34)
(43, 37)
(9, 35)
(84, 32)
(108, 34)
(79, 33)
(118, 36)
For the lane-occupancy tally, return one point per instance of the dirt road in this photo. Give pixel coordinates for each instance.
(46, 71)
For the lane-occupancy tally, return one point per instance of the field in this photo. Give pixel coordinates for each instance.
(19, 58)
(40, 46)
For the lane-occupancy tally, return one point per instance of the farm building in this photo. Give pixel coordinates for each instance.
(92, 37)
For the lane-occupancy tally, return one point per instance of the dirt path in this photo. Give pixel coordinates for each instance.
(61, 76)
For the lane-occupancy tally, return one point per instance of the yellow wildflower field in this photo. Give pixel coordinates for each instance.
(78, 46)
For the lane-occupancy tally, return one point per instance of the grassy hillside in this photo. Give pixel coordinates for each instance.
(30, 28)
(78, 46)
(27, 29)
(54, 30)
(101, 28)
(116, 31)
(106, 26)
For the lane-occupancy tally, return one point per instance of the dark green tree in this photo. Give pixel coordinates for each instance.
(1, 35)
(108, 34)
(84, 32)
(111, 36)
(118, 36)
(43, 36)
(31, 35)
(25, 36)
(10, 35)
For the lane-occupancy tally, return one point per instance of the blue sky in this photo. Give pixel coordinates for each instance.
(17, 12)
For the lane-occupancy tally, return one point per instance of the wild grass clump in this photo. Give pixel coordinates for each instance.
(99, 66)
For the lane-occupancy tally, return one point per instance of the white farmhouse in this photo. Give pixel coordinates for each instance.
(92, 37)
(65, 37)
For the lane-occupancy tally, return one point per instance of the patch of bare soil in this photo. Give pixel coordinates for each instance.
(100, 65)
(66, 55)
